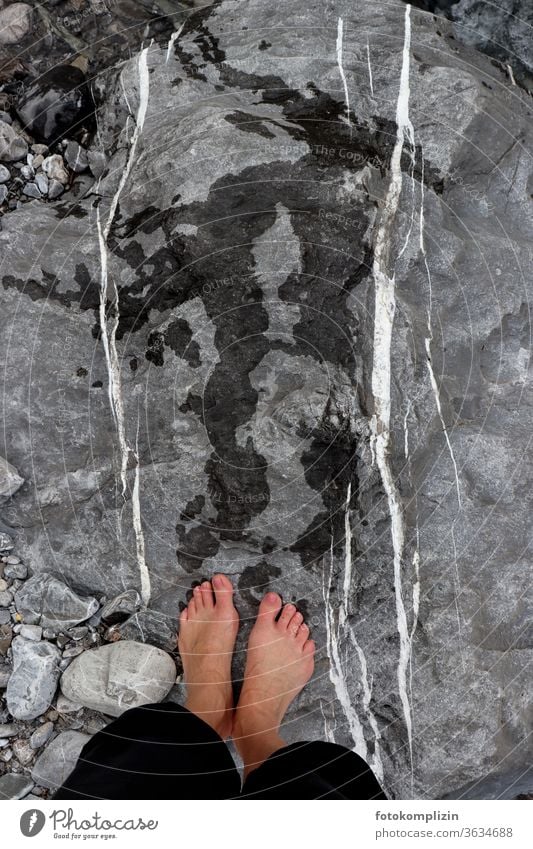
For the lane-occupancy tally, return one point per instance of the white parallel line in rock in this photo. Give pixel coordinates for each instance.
(340, 36)
(428, 341)
(336, 673)
(457, 593)
(328, 733)
(343, 625)
(370, 79)
(406, 430)
(385, 304)
(511, 75)
(171, 41)
(137, 525)
(109, 338)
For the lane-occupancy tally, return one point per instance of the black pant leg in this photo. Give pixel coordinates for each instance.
(313, 770)
(157, 751)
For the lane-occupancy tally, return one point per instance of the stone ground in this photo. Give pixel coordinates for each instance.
(265, 305)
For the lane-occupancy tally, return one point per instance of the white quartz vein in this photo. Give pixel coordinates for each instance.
(109, 333)
(175, 35)
(370, 79)
(385, 304)
(340, 36)
(336, 672)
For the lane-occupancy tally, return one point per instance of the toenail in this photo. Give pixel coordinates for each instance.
(216, 581)
(271, 597)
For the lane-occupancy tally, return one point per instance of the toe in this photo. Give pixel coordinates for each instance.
(207, 594)
(223, 589)
(269, 607)
(197, 597)
(303, 634)
(294, 625)
(286, 615)
(309, 647)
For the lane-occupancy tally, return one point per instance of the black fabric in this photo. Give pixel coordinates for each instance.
(163, 751)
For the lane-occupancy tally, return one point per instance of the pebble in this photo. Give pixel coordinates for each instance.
(32, 190)
(121, 607)
(3, 194)
(73, 651)
(49, 634)
(55, 189)
(38, 161)
(47, 601)
(27, 172)
(52, 715)
(76, 157)
(3, 585)
(5, 598)
(54, 167)
(97, 162)
(5, 117)
(4, 174)
(119, 676)
(78, 633)
(58, 759)
(5, 674)
(6, 755)
(15, 23)
(5, 616)
(40, 149)
(9, 730)
(6, 636)
(15, 786)
(63, 640)
(33, 682)
(16, 571)
(31, 632)
(65, 705)
(13, 560)
(23, 752)
(6, 543)
(41, 181)
(41, 735)
(12, 146)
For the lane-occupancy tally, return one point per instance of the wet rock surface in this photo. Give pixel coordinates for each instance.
(239, 192)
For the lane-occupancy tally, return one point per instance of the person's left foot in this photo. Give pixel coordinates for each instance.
(208, 629)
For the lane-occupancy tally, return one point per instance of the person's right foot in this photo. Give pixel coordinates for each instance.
(279, 663)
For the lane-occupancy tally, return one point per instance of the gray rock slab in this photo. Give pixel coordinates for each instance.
(149, 626)
(119, 676)
(33, 682)
(59, 758)
(14, 786)
(49, 602)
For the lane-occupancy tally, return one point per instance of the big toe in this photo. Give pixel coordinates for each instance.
(269, 607)
(223, 591)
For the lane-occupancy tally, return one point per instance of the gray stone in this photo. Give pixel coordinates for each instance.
(27, 172)
(149, 626)
(10, 480)
(78, 633)
(59, 758)
(55, 189)
(23, 752)
(64, 705)
(12, 146)
(6, 636)
(15, 23)
(54, 168)
(120, 607)
(39, 149)
(113, 678)
(31, 190)
(4, 177)
(5, 598)
(16, 571)
(6, 543)
(32, 685)
(97, 162)
(3, 194)
(76, 157)
(41, 735)
(15, 786)
(5, 674)
(9, 730)
(41, 181)
(5, 117)
(5, 617)
(3, 584)
(13, 560)
(31, 632)
(48, 601)
(72, 651)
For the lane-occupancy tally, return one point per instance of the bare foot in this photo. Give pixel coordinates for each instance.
(208, 628)
(279, 664)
